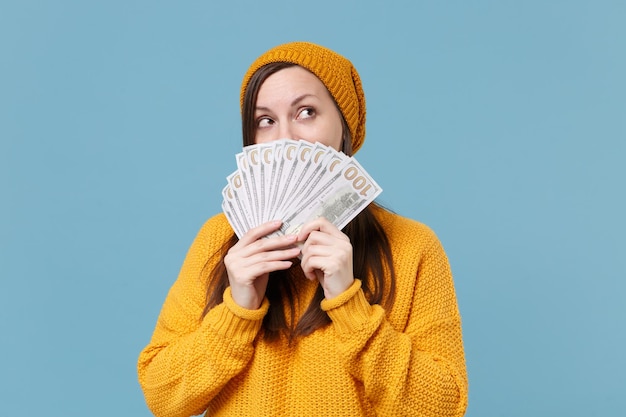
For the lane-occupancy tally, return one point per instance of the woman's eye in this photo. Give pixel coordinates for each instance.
(264, 122)
(306, 113)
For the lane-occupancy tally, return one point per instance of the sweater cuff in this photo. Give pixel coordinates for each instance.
(350, 310)
(235, 321)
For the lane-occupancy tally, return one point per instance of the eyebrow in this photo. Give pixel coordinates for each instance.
(294, 102)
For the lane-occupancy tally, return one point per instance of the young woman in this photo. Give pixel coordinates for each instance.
(328, 322)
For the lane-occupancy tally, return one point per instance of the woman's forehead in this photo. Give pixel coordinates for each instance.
(290, 83)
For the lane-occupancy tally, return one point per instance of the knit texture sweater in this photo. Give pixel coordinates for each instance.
(407, 361)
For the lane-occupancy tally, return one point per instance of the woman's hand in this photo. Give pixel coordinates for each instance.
(326, 256)
(249, 262)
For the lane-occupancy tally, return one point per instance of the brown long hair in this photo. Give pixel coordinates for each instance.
(371, 251)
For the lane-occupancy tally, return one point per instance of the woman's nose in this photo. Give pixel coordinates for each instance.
(286, 131)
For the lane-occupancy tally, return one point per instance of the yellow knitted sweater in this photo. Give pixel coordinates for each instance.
(407, 361)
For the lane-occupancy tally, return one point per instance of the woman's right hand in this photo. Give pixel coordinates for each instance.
(249, 262)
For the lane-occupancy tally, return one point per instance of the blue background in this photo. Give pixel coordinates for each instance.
(500, 124)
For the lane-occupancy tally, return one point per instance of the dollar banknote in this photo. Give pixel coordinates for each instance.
(296, 182)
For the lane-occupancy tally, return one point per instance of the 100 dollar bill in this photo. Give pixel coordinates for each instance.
(338, 200)
(296, 182)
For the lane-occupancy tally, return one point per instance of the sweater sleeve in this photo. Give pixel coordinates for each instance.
(189, 358)
(419, 371)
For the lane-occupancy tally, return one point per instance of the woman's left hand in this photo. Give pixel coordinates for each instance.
(326, 256)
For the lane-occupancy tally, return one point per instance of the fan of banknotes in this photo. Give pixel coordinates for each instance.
(296, 182)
